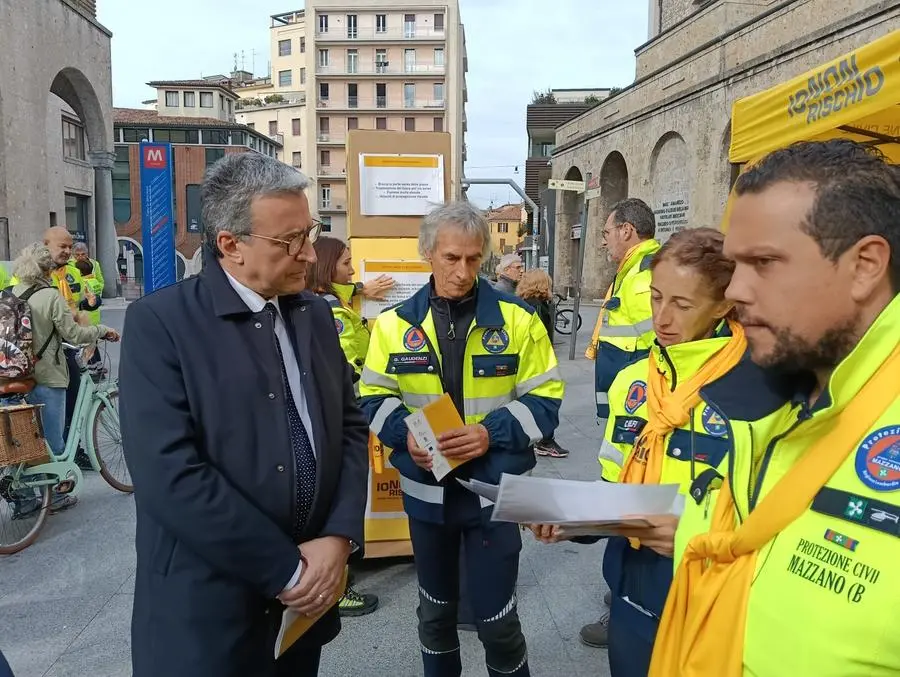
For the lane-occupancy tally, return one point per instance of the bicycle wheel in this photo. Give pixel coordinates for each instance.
(23, 511)
(564, 321)
(579, 322)
(108, 444)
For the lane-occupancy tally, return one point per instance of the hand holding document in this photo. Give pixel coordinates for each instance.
(294, 624)
(427, 424)
(580, 508)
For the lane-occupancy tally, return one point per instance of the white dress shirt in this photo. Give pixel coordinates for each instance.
(256, 304)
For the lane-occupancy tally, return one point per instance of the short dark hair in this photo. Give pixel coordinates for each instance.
(857, 193)
(320, 277)
(638, 213)
(701, 249)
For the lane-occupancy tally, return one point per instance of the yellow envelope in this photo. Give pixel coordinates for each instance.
(428, 423)
(294, 625)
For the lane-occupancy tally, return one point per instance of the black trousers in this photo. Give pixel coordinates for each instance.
(72, 389)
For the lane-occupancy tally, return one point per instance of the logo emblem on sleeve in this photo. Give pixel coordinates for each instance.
(713, 423)
(637, 395)
(495, 340)
(878, 459)
(414, 339)
(339, 326)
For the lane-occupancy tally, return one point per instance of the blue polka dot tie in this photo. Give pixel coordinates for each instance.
(304, 458)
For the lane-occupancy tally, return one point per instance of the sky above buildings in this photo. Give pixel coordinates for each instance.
(514, 48)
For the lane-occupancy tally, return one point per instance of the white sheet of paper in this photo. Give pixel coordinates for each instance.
(483, 489)
(423, 434)
(544, 500)
(287, 619)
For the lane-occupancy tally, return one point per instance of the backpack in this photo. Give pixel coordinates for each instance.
(17, 356)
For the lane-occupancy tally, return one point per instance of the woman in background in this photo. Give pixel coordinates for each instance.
(535, 288)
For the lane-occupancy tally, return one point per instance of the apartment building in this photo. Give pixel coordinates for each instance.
(365, 64)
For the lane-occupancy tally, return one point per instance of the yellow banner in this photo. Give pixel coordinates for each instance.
(397, 267)
(415, 161)
(843, 92)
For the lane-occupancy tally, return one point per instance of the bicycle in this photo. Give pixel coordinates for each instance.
(26, 490)
(563, 320)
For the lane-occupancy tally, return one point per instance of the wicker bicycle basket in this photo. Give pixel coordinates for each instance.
(21, 434)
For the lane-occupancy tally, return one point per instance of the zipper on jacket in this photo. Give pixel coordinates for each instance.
(803, 415)
(451, 329)
(671, 364)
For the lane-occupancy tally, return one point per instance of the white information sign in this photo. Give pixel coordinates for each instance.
(409, 277)
(400, 185)
(672, 216)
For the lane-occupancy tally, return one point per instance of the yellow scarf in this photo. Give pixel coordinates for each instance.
(669, 410)
(591, 352)
(711, 590)
(59, 281)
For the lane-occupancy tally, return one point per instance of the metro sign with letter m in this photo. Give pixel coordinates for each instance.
(155, 157)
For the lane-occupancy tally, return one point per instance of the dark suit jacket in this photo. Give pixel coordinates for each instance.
(206, 439)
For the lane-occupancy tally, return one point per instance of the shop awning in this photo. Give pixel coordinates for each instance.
(855, 96)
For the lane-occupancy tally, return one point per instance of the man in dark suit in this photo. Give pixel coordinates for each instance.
(243, 436)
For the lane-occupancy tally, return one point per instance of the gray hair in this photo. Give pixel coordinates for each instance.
(34, 264)
(234, 182)
(461, 214)
(80, 247)
(506, 261)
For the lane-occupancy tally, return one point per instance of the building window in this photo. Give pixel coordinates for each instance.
(326, 224)
(73, 140)
(409, 124)
(381, 23)
(215, 137)
(273, 127)
(502, 227)
(439, 124)
(76, 216)
(297, 159)
(238, 138)
(352, 123)
(324, 91)
(439, 93)
(352, 27)
(323, 58)
(213, 155)
(190, 100)
(380, 95)
(121, 185)
(303, 45)
(172, 99)
(325, 191)
(352, 95)
(409, 95)
(135, 134)
(230, 110)
(324, 127)
(302, 76)
(380, 123)
(438, 22)
(439, 56)
(284, 78)
(325, 158)
(221, 103)
(409, 26)
(409, 60)
(177, 135)
(284, 48)
(206, 100)
(295, 126)
(352, 60)
(323, 23)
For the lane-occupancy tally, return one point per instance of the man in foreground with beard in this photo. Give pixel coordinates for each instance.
(789, 568)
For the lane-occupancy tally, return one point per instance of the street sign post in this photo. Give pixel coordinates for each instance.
(581, 244)
(157, 216)
(560, 184)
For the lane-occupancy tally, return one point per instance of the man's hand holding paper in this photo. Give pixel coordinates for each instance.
(324, 560)
(464, 444)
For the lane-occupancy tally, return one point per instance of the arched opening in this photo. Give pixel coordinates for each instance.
(130, 264)
(73, 87)
(613, 188)
(671, 184)
(568, 219)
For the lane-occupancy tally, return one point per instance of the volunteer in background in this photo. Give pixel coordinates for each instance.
(662, 432)
(535, 288)
(79, 255)
(797, 574)
(509, 272)
(491, 354)
(332, 279)
(624, 330)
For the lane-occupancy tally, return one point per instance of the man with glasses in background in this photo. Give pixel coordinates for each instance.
(624, 330)
(244, 439)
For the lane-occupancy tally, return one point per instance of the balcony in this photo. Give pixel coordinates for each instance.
(378, 103)
(409, 32)
(330, 206)
(330, 139)
(371, 69)
(332, 172)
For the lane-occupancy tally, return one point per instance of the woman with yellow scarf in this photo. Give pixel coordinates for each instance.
(661, 431)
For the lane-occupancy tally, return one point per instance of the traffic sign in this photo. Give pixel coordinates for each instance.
(559, 184)
(592, 194)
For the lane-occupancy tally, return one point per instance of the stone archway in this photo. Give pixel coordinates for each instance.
(72, 86)
(613, 188)
(671, 185)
